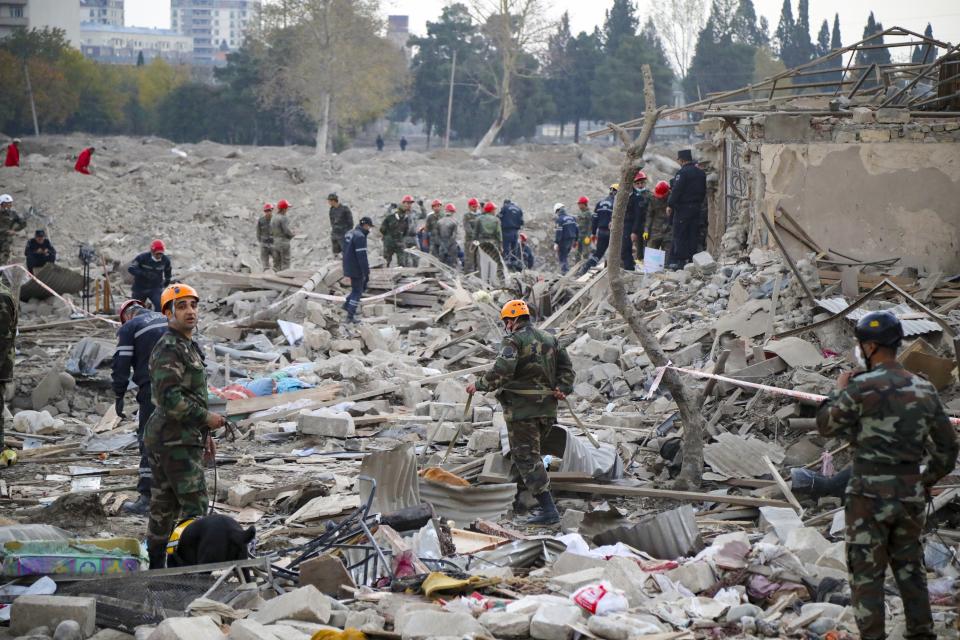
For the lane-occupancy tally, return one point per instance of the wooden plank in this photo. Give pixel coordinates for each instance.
(108, 421)
(784, 487)
(576, 297)
(386, 533)
(683, 496)
(866, 280)
(252, 405)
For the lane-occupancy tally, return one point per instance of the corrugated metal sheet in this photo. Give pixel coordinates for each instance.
(395, 473)
(666, 536)
(911, 326)
(734, 456)
(466, 504)
(60, 279)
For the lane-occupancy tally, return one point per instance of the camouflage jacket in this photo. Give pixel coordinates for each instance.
(446, 231)
(178, 384)
(433, 219)
(487, 230)
(469, 225)
(10, 220)
(891, 417)
(394, 227)
(9, 316)
(280, 230)
(584, 223)
(341, 219)
(529, 360)
(657, 222)
(264, 234)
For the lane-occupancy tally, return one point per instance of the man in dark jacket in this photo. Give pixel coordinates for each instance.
(355, 265)
(151, 271)
(687, 192)
(511, 221)
(600, 230)
(565, 235)
(634, 221)
(39, 251)
(341, 221)
(139, 331)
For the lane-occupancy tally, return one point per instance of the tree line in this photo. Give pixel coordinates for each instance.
(318, 71)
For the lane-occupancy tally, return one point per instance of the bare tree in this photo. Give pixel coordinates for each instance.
(686, 398)
(339, 67)
(512, 27)
(679, 23)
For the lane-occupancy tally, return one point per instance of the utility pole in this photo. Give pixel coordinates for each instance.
(446, 133)
(33, 104)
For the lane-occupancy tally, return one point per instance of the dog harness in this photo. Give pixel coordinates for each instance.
(175, 536)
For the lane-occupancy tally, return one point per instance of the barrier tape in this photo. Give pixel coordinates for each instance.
(790, 393)
(72, 306)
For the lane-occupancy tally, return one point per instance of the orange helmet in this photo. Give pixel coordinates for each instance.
(450, 208)
(661, 189)
(175, 292)
(268, 207)
(126, 307)
(283, 204)
(514, 309)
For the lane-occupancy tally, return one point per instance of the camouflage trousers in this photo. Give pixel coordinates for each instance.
(266, 252)
(281, 257)
(391, 249)
(469, 254)
(525, 436)
(179, 489)
(881, 532)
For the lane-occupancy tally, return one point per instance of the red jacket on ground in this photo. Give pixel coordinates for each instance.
(83, 161)
(13, 156)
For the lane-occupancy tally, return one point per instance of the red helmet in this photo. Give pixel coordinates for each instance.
(283, 204)
(157, 245)
(489, 207)
(473, 202)
(583, 200)
(640, 176)
(407, 199)
(523, 237)
(450, 208)
(268, 207)
(126, 307)
(436, 203)
(661, 189)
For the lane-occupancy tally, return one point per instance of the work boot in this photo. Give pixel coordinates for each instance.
(138, 507)
(548, 511)
(157, 552)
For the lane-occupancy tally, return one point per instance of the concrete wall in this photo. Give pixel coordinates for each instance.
(63, 14)
(870, 201)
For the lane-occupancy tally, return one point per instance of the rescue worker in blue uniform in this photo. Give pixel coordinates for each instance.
(565, 235)
(687, 191)
(511, 221)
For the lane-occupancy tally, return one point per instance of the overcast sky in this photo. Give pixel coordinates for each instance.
(584, 15)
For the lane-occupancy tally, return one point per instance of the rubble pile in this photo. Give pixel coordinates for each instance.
(383, 496)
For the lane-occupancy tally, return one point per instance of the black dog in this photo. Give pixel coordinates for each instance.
(213, 538)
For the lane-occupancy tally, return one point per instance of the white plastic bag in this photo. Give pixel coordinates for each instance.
(600, 599)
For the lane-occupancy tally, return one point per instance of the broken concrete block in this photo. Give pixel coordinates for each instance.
(569, 562)
(570, 582)
(807, 544)
(305, 603)
(600, 373)
(835, 557)
(450, 392)
(68, 630)
(442, 432)
(111, 634)
(782, 520)
(482, 414)
(251, 630)
(426, 625)
(200, 628)
(635, 377)
(863, 115)
(696, 576)
(502, 624)
(30, 611)
(484, 440)
(446, 410)
(623, 627)
(743, 610)
(688, 355)
(889, 115)
(623, 419)
(553, 622)
(366, 620)
(704, 262)
(327, 574)
(611, 353)
(325, 422)
(586, 391)
(875, 135)
(570, 520)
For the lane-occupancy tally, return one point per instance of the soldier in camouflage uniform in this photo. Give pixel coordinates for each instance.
(177, 435)
(265, 236)
(341, 221)
(469, 227)
(489, 238)
(895, 423)
(657, 231)
(446, 238)
(9, 315)
(394, 230)
(10, 224)
(531, 373)
(281, 233)
(584, 227)
(433, 219)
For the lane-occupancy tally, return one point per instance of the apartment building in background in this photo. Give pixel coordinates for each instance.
(36, 14)
(102, 12)
(113, 44)
(216, 26)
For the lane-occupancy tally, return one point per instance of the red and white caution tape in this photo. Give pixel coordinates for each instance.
(779, 391)
(56, 295)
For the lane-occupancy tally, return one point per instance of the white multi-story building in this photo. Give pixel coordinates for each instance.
(37, 14)
(123, 45)
(216, 26)
(102, 12)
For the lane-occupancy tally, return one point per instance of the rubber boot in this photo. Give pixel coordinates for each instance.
(548, 510)
(139, 507)
(157, 552)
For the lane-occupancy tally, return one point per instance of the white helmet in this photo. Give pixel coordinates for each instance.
(6, 198)
(558, 206)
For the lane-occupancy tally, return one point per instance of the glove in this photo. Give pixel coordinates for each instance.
(118, 406)
(646, 236)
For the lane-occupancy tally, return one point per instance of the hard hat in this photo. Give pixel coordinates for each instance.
(126, 307)
(523, 237)
(366, 220)
(436, 203)
(661, 189)
(586, 240)
(583, 200)
(514, 309)
(615, 186)
(8, 458)
(450, 208)
(283, 204)
(407, 199)
(881, 327)
(157, 245)
(175, 292)
(6, 198)
(268, 207)
(473, 202)
(640, 176)
(557, 207)
(489, 207)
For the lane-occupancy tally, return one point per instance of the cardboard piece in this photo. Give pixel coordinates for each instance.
(922, 359)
